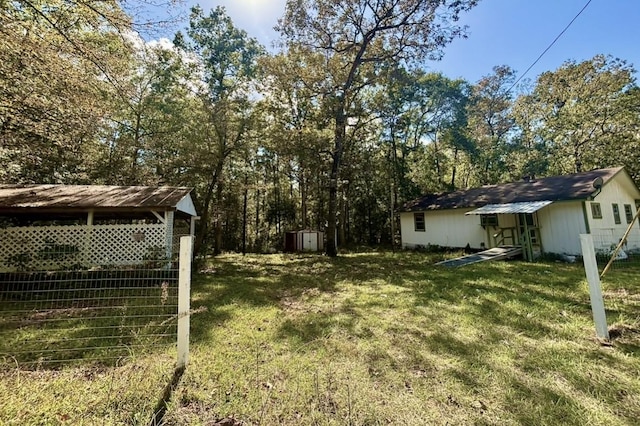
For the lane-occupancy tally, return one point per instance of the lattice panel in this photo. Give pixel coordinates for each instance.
(58, 247)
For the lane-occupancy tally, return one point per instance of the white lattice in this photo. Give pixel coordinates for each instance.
(56, 247)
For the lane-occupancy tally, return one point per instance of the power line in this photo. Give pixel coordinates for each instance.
(550, 46)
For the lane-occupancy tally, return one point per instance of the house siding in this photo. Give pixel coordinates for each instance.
(561, 224)
(446, 228)
(605, 231)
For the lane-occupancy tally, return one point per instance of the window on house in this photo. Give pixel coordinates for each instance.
(418, 221)
(616, 214)
(628, 212)
(489, 219)
(596, 211)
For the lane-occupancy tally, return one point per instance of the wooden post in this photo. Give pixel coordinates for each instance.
(184, 294)
(168, 236)
(88, 249)
(528, 250)
(595, 290)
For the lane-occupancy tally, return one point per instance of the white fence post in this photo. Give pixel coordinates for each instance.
(184, 294)
(595, 290)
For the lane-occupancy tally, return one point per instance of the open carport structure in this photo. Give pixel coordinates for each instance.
(56, 226)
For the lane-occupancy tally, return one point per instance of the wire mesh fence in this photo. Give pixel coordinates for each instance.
(93, 344)
(626, 257)
(612, 268)
(85, 316)
(87, 313)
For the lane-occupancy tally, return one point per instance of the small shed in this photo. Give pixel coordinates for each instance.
(305, 240)
(57, 226)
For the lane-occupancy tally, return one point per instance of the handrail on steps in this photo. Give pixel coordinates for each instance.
(503, 236)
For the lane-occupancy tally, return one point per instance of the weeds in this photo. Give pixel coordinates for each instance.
(370, 339)
(382, 338)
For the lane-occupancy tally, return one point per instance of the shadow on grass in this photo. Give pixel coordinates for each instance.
(390, 307)
(256, 282)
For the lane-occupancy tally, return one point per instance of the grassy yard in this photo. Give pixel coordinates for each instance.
(383, 338)
(91, 395)
(368, 339)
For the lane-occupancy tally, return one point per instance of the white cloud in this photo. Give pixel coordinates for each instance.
(256, 17)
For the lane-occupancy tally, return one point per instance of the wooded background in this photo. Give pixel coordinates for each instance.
(333, 130)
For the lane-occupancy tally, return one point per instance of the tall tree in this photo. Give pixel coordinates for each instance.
(423, 116)
(439, 119)
(357, 37)
(585, 113)
(60, 63)
(528, 154)
(490, 123)
(227, 57)
(296, 119)
(144, 129)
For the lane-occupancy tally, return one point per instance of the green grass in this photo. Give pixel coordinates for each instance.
(85, 351)
(368, 339)
(382, 338)
(91, 395)
(53, 319)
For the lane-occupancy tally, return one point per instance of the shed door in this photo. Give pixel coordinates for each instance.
(310, 241)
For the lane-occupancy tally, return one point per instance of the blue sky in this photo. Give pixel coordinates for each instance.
(501, 32)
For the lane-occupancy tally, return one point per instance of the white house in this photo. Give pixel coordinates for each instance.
(543, 215)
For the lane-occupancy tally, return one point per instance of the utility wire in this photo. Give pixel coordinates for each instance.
(550, 46)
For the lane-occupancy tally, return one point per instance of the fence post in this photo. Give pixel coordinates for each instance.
(184, 294)
(595, 290)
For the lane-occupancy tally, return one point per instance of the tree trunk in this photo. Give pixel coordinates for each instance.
(303, 197)
(453, 169)
(342, 235)
(332, 249)
(217, 247)
(203, 229)
(395, 183)
(257, 233)
(340, 131)
(392, 228)
(578, 159)
(436, 154)
(244, 214)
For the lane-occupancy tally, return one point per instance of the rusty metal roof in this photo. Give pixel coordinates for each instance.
(91, 197)
(511, 208)
(578, 186)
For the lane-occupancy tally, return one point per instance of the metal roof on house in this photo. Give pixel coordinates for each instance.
(511, 208)
(15, 198)
(578, 186)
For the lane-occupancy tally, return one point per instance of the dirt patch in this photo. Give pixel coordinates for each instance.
(624, 331)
